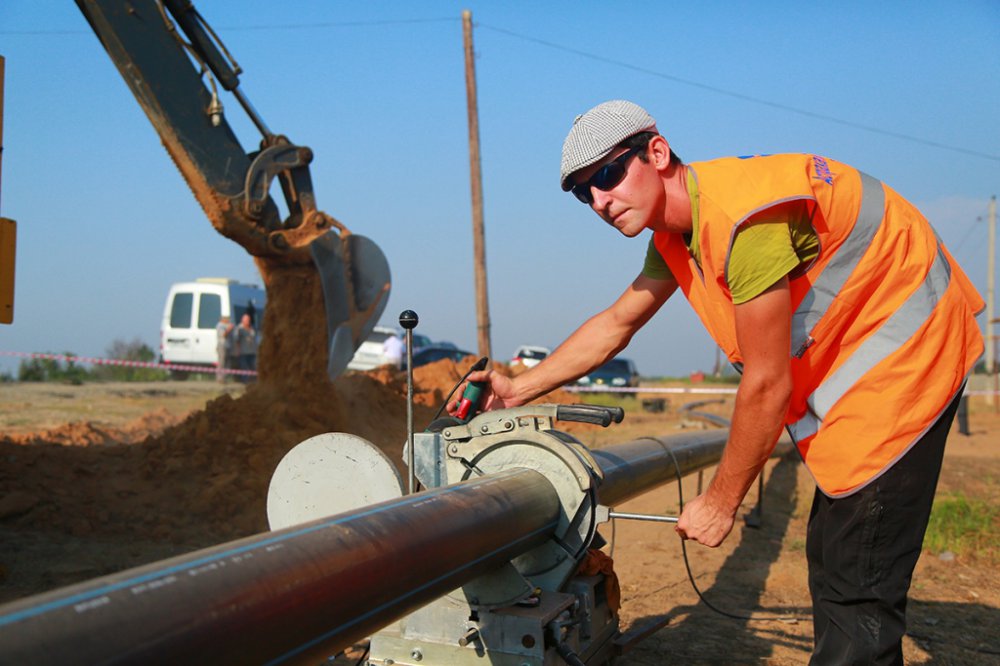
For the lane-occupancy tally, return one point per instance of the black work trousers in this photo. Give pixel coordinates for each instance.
(862, 550)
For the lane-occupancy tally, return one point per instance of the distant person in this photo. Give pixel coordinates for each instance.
(392, 351)
(852, 325)
(246, 346)
(223, 345)
(233, 352)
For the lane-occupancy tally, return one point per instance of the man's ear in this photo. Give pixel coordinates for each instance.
(658, 152)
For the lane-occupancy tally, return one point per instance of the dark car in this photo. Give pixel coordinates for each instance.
(618, 372)
(419, 340)
(434, 353)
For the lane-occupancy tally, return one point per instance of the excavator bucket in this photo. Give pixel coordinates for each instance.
(355, 277)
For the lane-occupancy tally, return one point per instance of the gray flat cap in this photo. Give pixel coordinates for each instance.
(596, 133)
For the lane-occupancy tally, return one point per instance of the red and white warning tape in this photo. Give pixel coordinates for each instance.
(173, 367)
(650, 389)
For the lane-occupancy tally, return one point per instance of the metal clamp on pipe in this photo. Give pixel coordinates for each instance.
(523, 437)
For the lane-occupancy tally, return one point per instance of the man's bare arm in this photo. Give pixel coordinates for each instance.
(596, 341)
(763, 331)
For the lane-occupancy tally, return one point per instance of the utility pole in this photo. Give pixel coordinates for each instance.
(476, 177)
(8, 238)
(991, 318)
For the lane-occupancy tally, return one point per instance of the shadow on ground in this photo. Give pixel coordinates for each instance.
(955, 633)
(939, 632)
(696, 634)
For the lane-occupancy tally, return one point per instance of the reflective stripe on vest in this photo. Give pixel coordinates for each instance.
(895, 331)
(817, 300)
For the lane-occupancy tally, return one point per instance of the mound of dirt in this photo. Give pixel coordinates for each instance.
(85, 433)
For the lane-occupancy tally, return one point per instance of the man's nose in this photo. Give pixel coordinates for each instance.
(601, 199)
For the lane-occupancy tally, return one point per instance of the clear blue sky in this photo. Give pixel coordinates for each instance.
(376, 89)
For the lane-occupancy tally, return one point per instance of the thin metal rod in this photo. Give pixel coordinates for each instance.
(643, 516)
(410, 462)
(252, 113)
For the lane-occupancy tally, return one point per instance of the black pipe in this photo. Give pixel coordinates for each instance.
(314, 589)
(309, 590)
(635, 467)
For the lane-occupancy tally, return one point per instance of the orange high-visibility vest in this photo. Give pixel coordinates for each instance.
(883, 325)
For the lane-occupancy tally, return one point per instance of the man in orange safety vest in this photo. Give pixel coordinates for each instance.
(852, 325)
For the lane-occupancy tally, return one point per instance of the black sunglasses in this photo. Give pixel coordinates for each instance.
(606, 178)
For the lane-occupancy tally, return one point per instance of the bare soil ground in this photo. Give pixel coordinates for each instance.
(102, 477)
(954, 609)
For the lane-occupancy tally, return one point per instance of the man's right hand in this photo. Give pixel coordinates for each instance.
(499, 393)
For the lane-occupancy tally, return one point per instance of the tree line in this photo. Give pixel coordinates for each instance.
(71, 372)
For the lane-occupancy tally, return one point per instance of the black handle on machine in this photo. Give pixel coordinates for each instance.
(596, 414)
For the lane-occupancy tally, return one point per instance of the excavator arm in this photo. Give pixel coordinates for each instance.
(175, 67)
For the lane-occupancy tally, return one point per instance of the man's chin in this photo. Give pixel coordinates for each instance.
(629, 231)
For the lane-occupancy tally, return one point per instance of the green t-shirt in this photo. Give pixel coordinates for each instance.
(774, 243)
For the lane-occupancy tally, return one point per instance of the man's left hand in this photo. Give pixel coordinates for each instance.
(705, 522)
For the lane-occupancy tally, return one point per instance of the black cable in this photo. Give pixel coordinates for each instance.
(341, 24)
(477, 366)
(364, 655)
(967, 236)
(568, 655)
(687, 564)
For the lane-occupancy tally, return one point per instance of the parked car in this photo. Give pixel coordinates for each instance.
(529, 355)
(618, 372)
(192, 311)
(437, 353)
(370, 355)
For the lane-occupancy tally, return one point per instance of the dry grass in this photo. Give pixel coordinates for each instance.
(30, 407)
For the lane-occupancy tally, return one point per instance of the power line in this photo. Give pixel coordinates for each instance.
(741, 96)
(966, 236)
(272, 26)
(585, 54)
(338, 24)
(45, 32)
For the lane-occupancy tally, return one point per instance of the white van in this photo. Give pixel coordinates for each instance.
(370, 354)
(193, 309)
